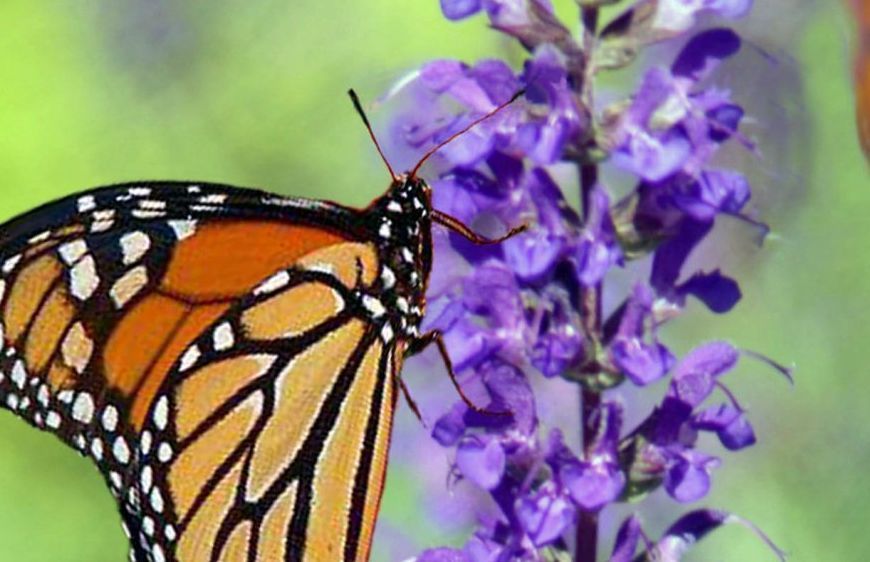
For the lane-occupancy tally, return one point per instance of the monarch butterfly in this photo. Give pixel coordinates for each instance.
(227, 357)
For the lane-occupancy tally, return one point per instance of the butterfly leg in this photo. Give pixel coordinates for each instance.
(458, 227)
(437, 338)
(411, 403)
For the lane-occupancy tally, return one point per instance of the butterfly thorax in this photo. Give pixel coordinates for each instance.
(401, 223)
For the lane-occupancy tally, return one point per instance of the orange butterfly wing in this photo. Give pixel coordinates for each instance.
(211, 350)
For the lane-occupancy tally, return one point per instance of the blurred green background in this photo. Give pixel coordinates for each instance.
(253, 93)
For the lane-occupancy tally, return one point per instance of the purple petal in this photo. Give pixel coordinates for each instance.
(544, 515)
(627, 539)
(730, 424)
(532, 254)
(510, 391)
(651, 157)
(672, 254)
(724, 121)
(695, 375)
(592, 486)
(718, 292)
(464, 194)
(440, 75)
(694, 526)
(656, 87)
(468, 344)
(459, 9)
(598, 250)
(688, 478)
(451, 426)
(703, 53)
(496, 78)
(481, 461)
(716, 191)
(641, 362)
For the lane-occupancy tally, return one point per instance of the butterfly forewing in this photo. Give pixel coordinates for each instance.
(224, 357)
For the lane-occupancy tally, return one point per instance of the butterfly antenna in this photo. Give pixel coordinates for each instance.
(470, 126)
(358, 106)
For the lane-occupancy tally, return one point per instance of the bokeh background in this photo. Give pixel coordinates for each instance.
(253, 93)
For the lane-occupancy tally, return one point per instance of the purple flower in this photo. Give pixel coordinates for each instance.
(544, 515)
(643, 362)
(538, 305)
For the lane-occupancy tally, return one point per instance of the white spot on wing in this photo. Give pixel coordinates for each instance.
(134, 245)
(146, 478)
(83, 278)
(71, 252)
(164, 452)
(86, 203)
(189, 359)
(97, 448)
(41, 237)
(129, 286)
(77, 348)
(387, 333)
(19, 374)
(110, 418)
(161, 412)
(10, 264)
(273, 283)
(183, 228)
(83, 408)
(121, 450)
(374, 306)
(157, 500)
(223, 337)
(388, 277)
(214, 198)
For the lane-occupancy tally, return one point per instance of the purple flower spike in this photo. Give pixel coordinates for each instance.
(541, 305)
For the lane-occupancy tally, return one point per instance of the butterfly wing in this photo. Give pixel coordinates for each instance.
(104, 298)
(271, 438)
